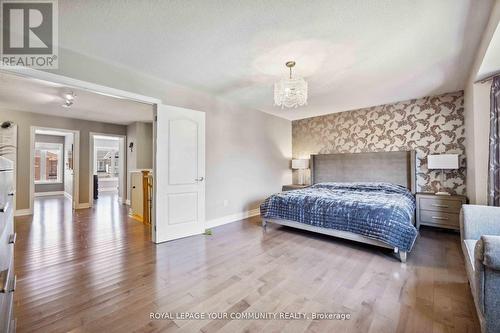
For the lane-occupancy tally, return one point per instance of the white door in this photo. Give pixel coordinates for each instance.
(180, 173)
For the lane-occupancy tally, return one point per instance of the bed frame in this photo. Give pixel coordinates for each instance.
(396, 167)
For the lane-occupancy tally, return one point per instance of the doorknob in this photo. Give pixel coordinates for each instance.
(199, 179)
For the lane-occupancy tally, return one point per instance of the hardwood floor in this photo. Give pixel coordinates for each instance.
(97, 271)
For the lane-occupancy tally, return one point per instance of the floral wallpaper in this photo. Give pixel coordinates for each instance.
(430, 125)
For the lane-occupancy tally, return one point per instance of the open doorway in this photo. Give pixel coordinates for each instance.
(108, 166)
(54, 168)
(105, 109)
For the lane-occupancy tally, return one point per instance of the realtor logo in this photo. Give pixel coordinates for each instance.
(29, 33)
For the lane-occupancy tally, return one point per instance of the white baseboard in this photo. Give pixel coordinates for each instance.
(84, 205)
(23, 212)
(231, 218)
(46, 194)
(67, 195)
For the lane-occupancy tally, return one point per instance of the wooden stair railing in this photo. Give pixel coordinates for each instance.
(147, 190)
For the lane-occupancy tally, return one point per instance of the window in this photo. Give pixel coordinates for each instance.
(48, 163)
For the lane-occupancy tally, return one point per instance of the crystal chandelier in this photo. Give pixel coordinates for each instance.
(290, 92)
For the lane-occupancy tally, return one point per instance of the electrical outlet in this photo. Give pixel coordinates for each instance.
(225, 203)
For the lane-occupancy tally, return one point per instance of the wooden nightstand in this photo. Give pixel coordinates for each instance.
(439, 210)
(293, 187)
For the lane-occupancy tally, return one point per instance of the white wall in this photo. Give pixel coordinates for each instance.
(107, 143)
(477, 119)
(248, 151)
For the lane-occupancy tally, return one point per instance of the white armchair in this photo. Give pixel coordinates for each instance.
(480, 235)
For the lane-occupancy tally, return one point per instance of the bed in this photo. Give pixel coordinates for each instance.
(365, 197)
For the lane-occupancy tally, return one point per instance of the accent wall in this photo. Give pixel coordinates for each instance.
(430, 125)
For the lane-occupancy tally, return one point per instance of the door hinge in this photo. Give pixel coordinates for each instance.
(156, 118)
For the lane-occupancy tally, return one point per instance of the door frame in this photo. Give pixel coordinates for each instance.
(98, 89)
(122, 193)
(76, 163)
(154, 237)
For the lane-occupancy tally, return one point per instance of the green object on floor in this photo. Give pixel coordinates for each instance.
(208, 232)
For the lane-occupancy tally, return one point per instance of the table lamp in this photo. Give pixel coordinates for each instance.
(301, 165)
(443, 162)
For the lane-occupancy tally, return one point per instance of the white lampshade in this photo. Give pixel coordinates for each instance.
(443, 161)
(300, 164)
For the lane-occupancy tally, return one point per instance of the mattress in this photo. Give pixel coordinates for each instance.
(380, 211)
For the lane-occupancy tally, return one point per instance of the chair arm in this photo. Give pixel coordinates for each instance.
(487, 281)
(476, 220)
(487, 251)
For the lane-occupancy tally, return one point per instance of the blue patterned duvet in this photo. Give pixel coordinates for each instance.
(381, 211)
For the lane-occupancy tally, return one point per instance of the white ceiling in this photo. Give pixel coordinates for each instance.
(23, 94)
(491, 60)
(353, 53)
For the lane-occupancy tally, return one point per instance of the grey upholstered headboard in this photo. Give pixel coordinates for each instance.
(397, 167)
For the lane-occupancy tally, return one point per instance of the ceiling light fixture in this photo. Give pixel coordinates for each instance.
(70, 96)
(68, 99)
(290, 92)
(67, 104)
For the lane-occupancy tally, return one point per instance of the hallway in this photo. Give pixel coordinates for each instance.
(63, 260)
